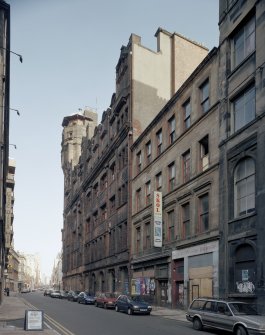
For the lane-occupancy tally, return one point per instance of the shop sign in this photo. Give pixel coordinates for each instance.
(157, 219)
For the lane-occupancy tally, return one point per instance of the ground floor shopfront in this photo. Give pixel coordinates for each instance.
(151, 279)
(174, 281)
(111, 279)
(195, 273)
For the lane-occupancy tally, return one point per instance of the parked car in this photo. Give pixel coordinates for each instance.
(132, 305)
(106, 300)
(64, 294)
(56, 294)
(238, 317)
(85, 298)
(25, 290)
(47, 292)
(72, 295)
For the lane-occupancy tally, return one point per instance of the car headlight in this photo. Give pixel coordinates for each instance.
(135, 306)
(149, 307)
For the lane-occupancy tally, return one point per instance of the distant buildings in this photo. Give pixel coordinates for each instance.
(56, 277)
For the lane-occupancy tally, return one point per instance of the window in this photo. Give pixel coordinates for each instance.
(186, 220)
(171, 177)
(148, 150)
(205, 102)
(112, 172)
(204, 213)
(139, 161)
(138, 239)
(147, 240)
(138, 199)
(187, 113)
(244, 183)
(244, 108)
(204, 153)
(172, 130)
(96, 190)
(171, 225)
(186, 166)
(104, 182)
(104, 213)
(148, 193)
(159, 142)
(159, 181)
(112, 204)
(244, 42)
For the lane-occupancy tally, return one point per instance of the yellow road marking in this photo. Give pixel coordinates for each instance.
(51, 320)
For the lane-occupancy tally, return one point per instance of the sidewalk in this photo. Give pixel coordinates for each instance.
(13, 309)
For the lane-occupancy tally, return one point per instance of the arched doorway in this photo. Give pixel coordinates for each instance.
(245, 269)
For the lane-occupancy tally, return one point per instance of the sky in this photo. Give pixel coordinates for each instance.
(70, 50)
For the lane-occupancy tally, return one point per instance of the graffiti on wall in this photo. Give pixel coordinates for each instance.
(143, 285)
(245, 287)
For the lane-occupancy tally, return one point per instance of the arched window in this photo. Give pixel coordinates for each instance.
(244, 187)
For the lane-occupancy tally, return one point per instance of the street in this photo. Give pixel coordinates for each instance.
(70, 318)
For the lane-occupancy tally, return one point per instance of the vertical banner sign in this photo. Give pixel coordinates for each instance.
(157, 219)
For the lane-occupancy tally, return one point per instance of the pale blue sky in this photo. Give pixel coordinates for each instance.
(70, 50)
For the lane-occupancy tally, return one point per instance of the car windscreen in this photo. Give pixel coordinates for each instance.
(110, 295)
(243, 308)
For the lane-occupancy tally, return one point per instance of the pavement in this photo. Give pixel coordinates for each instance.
(13, 309)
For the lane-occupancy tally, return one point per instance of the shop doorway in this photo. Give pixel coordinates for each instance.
(180, 294)
(163, 292)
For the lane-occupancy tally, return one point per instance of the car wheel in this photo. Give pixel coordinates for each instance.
(130, 311)
(116, 308)
(197, 324)
(105, 306)
(241, 331)
(96, 304)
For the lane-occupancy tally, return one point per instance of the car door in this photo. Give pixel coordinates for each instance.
(224, 319)
(208, 313)
(123, 303)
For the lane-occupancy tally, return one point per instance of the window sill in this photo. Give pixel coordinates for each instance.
(243, 217)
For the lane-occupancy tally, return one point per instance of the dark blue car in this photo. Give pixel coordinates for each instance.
(85, 298)
(132, 305)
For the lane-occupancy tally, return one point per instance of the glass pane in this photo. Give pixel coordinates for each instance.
(251, 202)
(204, 204)
(250, 166)
(249, 108)
(250, 44)
(241, 189)
(250, 184)
(242, 206)
(206, 105)
(205, 222)
(205, 91)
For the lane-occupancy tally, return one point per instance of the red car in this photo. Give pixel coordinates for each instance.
(106, 300)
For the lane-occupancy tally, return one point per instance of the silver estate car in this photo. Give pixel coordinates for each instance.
(237, 317)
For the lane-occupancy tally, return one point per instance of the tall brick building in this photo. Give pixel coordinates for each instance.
(97, 222)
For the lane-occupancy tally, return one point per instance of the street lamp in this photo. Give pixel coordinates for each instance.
(16, 110)
(12, 52)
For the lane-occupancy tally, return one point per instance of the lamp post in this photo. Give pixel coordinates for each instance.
(12, 52)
